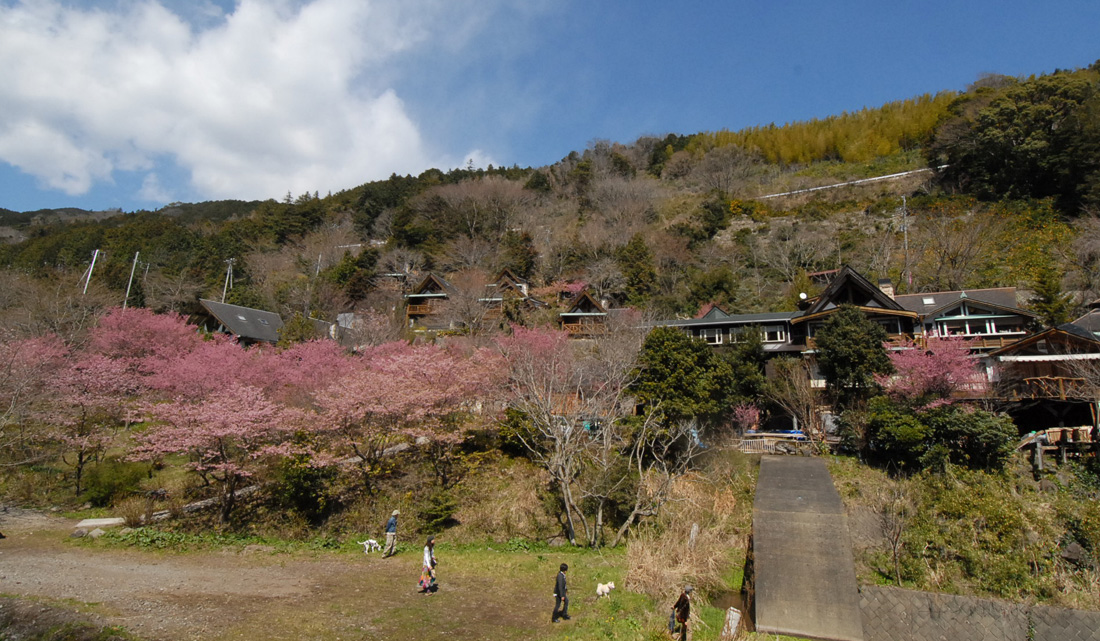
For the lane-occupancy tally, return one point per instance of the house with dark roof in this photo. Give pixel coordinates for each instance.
(585, 316)
(988, 318)
(1049, 379)
(1090, 322)
(848, 287)
(425, 305)
(793, 332)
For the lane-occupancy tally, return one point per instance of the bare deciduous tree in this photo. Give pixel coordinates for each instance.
(895, 506)
(465, 252)
(726, 169)
(789, 387)
(467, 305)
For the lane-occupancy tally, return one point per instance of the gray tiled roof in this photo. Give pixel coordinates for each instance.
(1000, 296)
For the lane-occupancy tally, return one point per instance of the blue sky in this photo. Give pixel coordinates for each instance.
(137, 103)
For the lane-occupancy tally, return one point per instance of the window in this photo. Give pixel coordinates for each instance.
(928, 300)
(891, 325)
(774, 333)
(712, 335)
(263, 322)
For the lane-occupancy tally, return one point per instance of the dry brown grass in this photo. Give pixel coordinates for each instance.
(664, 556)
(505, 504)
(135, 511)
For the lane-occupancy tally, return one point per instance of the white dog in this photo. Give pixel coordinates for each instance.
(604, 589)
(370, 545)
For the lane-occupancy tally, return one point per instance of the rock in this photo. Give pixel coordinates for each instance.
(126, 530)
(1075, 554)
(1046, 485)
(96, 533)
(78, 533)
(423, 440)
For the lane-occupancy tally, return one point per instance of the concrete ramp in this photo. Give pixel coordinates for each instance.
(803, 573)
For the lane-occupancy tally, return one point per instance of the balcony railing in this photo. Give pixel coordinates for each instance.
(583, 329)
(1060, 387)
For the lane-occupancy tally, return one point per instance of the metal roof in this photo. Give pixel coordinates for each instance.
(248, 323)
(733, 319)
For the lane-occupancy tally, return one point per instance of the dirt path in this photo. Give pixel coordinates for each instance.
(255, 594)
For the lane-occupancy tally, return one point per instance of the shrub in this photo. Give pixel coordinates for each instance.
(305, 488)
(113, 479)
(911, 439)
(439, 511)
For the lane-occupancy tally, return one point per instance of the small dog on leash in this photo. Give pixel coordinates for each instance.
(370, 545)
(604, 589)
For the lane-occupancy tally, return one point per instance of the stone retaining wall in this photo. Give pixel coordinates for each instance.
(893, 614)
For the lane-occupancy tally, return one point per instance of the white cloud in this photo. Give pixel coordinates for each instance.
(152, 190)
(274, 96)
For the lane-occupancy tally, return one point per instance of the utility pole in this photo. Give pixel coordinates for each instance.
(95, 255)
(228, 277)
(905, 232)
(131, 281)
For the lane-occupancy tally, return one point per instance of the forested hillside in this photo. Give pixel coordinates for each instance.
(662, 224)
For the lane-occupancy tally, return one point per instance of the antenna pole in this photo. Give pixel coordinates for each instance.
(905, 231)
(131, 281)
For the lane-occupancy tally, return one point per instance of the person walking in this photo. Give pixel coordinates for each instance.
(561, 596)
(427, 573)
(391, 535)
(682, 611)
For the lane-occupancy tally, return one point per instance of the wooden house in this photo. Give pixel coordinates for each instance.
(1049, 379)
(426, 304)
(585, 316)
(423, 306)
(509, 289)
(849, 288)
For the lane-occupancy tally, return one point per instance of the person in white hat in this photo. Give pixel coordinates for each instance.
(391, 535)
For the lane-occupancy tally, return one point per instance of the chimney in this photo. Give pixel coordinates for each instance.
(887, 287)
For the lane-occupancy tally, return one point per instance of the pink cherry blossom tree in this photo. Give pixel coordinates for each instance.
(146, 343)
(294, 374)
(226, 435)
(26, 365)
(933, 374)
(397, 391)
(214, 364)
(88, 395)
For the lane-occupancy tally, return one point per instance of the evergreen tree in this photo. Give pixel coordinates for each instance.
(636, 264)
(683, 378)
(850, 351)
(1051, 303)
(519, 253)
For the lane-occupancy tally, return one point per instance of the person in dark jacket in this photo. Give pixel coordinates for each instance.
(561, 596)
(391, 535)
(682, 610)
